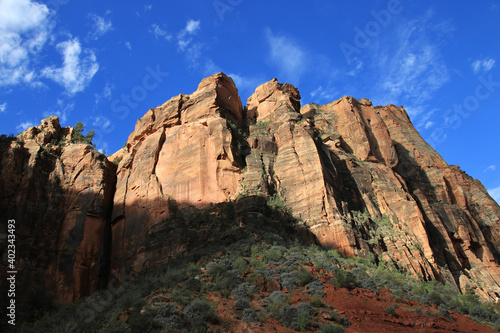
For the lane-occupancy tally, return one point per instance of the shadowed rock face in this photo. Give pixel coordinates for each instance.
(61, 198)
(359, 177)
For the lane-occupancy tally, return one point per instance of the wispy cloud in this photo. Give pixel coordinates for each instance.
(102, 122)
(184, 37)
(24, 125)
(159, 32)
(3, 108)
(78, 68)
(286, 54)
(490, 168)
(24, 29)
(247, 84)
(323, 94)
(100, 25)
(105, 94)
(127, 45)
(483, 66)
(495, 194)
(409, 64)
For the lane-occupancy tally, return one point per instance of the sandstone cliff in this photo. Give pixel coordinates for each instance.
(60, 196)
(359, 177)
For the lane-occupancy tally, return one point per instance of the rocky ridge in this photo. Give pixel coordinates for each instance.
(359, 177)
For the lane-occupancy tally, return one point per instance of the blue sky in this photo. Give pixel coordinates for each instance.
(105, 63)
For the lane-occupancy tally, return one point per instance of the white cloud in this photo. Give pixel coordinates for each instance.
(147, 7)
(62, 110)
(183, 37)
(429, 124)
(484, 65)
(321, 93)
(159, 33)
(102, 122)
(287, 55)
(490, 168)
(128, 45)
(100, 26)
(410, 65)
(24, 125)
(3, 107)
(105, 94)
(24, 30)
(246, 84)
(357, 69)
(495, 194)
(78, 67)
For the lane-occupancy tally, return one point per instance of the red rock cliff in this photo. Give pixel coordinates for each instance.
(359, 177)
(61, 196)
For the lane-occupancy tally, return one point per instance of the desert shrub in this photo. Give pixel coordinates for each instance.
(306, 307)
(303, 321)
(116, 327)
(287, 281)
(275, 253)
(288, 316)
(266, 272)
(241, 304)
(241, 265)
(225, 277)
(243, 291)
(275, 302)
(168, 317)
(197, 313)
(305, 313)
(180, 296)
(315, 288)
(276, 297)
(303, 276)
(219, 267)
(249, 315)
(443, 311)
(344, 279)
(332, 328)
(317, 303)
(344, 321)
(391, 309)
(294, 259)
(192, 284)
(418, 310)
(255, 263)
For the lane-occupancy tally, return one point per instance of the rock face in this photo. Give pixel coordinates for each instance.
(359, 177)
(61, 198)
(185, 149)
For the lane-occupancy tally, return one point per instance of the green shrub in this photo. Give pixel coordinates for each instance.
(332, 328)
(317, 303)
(241, 265)
(249, 315)
(275, 302)
(344, 279)
(391, 309)
(241, 304)
(288, 316)
(198, 313)
(315, 288)
(305, 313)
(168, 317)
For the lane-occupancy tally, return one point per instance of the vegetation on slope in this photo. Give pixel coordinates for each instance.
(253, 269)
